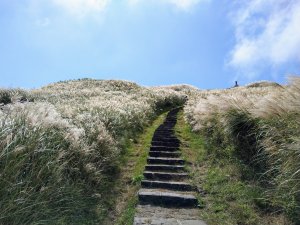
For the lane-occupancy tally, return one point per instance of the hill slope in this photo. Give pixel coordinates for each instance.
(252, 151)
(60, 151)
(61, 146)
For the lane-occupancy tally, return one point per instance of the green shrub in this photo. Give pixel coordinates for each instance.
(246, 136)
(5, 97)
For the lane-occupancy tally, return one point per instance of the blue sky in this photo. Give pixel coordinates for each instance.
(205, 43)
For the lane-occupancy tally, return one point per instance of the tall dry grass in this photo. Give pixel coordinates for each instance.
(262, 123)
(60, 147)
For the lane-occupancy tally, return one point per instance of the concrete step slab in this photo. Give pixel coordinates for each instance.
(165, 143)
(165, 176)
(165, 134)
(165, 129)
(165, 137)
(168, 185)
(165, 168)
(172, 199)
(174, 140)
(163, 149)
(165, 221)
(150, 211)
(165, 161)
(165, 154)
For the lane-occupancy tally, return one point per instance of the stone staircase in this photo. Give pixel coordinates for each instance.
(166, 197)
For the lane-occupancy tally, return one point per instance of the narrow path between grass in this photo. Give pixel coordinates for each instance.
(132, 167)
(223, 197)
(166, 196)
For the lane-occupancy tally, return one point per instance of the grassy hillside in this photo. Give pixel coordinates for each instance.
(252, 135)
(60, 147)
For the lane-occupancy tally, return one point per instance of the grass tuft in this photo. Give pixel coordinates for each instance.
(61, 155)
(257, 129)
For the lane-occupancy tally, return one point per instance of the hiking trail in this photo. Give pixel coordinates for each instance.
(166, 197)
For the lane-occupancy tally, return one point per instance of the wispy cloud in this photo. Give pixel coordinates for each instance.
(82, 8)
(267, 34)
(184, 5)
(44, 22)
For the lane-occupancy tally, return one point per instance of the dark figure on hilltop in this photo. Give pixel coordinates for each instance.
(236, 84)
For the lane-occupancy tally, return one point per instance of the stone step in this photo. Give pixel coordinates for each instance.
(164, 212)
(165, 143)
(171, 119)
(163, 149)
(167, 126)
(169, 185)
(150, 175)
(165, 129)
(166, 221)
(164, 154)
(174, 140)
(163, 160)
(163, 136)
(166, 139)
(163, 198)
(165, 168)
(164, 133)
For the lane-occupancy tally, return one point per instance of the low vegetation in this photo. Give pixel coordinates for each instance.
(60, 148)
(224, 197)
(252, 135)
(67, 148)
(132, 174)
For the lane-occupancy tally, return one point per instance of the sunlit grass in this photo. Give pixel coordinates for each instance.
(136, 159)
(61, 147)
(258, 125)
(224, 196)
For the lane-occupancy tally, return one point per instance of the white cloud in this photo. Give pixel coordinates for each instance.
(82, 8)
(267, 34)
(133, 2)
(44, 22)
(184, 5)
